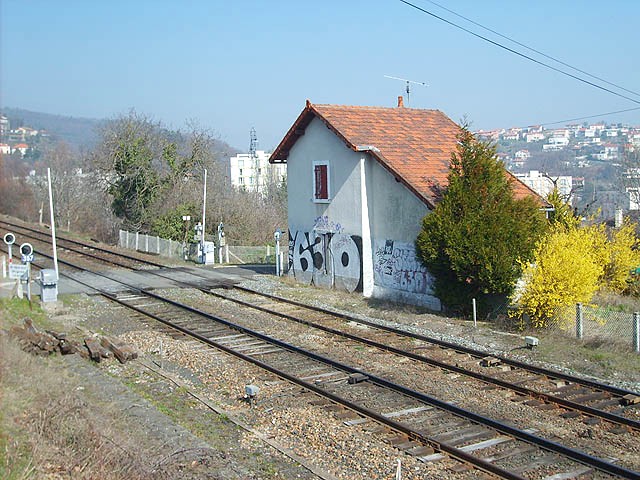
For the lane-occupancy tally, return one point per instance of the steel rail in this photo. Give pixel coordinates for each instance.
(77, 242)
(450, 345)
(634, 424)
(581, 457)
(575, 455)
(545, 397)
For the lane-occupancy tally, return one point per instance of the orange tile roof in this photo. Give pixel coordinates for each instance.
(414, 145)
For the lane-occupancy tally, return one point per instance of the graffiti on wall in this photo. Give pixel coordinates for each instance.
(395, 265)
(323, 223)
(326, 259)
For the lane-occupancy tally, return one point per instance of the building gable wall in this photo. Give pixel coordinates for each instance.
(331, 244)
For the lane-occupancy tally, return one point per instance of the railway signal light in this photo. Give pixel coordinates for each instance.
(26, 252)
(9, 238)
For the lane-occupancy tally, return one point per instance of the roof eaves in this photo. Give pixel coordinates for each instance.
(281, 153)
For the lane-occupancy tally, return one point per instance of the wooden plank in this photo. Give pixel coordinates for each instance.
(420, 451)
(591, 397)
(322, 375)
(434, 457)
(408, 411)
(93, 345)
(630, 399)
(485, 444)
(457, 436)
(264, 352)
(215, 339)
(358, 421)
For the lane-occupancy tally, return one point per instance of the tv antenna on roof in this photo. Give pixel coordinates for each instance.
(407, 89)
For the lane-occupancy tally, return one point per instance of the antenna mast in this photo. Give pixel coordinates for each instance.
(253, 143)
(253, 159)
(407, 89)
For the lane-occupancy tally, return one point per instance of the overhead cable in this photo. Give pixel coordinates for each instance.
(520, 54)
(533, 49)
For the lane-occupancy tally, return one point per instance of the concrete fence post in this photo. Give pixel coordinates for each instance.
(146, 243)
(137, 240)
(579, 320)
(636, 332)
(157, 244)
(226, 253)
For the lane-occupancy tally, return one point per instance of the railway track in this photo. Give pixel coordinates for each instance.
(425, 427)
(427, 423)
(538, 387)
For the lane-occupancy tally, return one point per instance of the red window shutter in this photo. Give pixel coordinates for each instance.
(321, 184)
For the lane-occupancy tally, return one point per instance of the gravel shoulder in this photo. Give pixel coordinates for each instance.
(181, 394)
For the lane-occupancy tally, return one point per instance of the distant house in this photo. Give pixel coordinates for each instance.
(360, 180)
(5, 149)
(24, 132)
(522, 154)
(534, 137)
(20, 147)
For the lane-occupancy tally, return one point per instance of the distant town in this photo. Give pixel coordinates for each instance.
(588, 163)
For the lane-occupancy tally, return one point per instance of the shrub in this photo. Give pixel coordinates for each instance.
(571, 265)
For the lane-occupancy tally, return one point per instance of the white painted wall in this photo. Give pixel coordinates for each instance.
(393, 218)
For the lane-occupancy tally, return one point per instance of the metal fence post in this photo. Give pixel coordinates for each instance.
(578, 320)
(636, 332)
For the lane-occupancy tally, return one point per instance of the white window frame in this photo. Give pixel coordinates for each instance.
(313, 180)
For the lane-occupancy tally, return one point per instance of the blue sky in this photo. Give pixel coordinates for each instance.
(233, 65)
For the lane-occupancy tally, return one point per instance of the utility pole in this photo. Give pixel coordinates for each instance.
(53, 227)
(204, 214)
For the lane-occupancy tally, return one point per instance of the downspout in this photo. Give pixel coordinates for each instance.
(367, 252)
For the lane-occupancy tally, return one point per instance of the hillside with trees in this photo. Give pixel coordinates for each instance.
(139, 175)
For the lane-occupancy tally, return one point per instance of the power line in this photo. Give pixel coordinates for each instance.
(589, 116)
(533, 49)
(580, 118)
(520, 54)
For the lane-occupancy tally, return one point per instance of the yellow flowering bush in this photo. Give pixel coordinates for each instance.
(623, 256)
(567, 269)
(572, 264)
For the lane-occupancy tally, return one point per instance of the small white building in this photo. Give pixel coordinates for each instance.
(255, 173)
(563, 141)
(543, 184)
(534, 137)
(5, 126)
(360, 181)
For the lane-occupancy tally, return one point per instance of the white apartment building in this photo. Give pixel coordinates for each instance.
(255, 173)
(534, 137)
(543, 184)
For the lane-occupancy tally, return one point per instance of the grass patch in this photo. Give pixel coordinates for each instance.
(15, 310)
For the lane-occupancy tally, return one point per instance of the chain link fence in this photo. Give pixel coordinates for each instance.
(591, 323)
(173, 249)
(150, 244)
(595, 322)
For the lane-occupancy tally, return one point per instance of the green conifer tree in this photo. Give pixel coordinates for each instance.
(473, 240)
